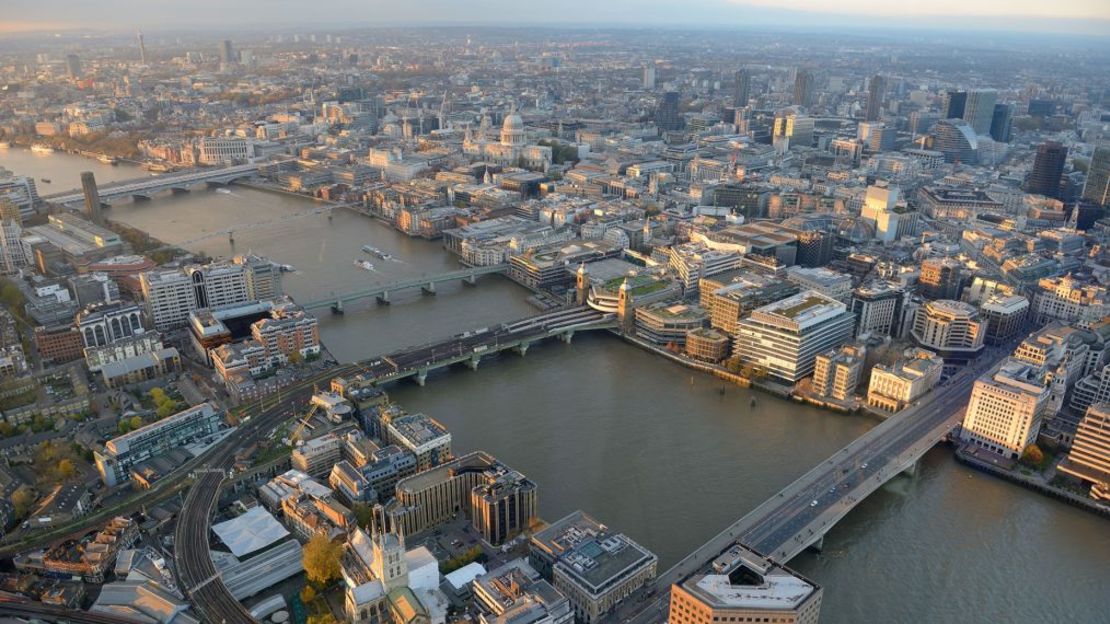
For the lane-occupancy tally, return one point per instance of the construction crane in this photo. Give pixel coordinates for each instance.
(302, 423)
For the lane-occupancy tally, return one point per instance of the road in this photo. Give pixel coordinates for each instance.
(802, 512)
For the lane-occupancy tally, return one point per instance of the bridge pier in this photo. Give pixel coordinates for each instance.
(429, 288)
(818, 545)
(178, 190)
(472, 363)
(337, 307)
(383, 298)
(140, 197)
(911, 470)
(567, 336)
(421, 377)
(522, 348)
(215, 184)
(470, 280)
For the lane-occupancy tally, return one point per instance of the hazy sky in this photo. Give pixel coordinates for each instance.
(1087, 16)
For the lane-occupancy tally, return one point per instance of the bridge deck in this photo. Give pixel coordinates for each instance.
(404, 284)
(154, 183)
(474, 344)
(805, 510)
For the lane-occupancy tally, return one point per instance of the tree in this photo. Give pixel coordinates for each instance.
(295, 357)
(157, 395)
(327, 618)
(124, 426)
(66, 469)
(1033, 456)
(6, 429)
(321, 559)
(22, 499)
(308, 594)
(166, 409)
(363, 514)
(135, 422)
(164, 405)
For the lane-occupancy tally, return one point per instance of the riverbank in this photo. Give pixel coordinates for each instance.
(267, 187)
(124, 148)
(972, 459)
(704, 367)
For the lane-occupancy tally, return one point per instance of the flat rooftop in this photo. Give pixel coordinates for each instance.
(805, 308)
(419, 429)
(588, 553)
(742, 579)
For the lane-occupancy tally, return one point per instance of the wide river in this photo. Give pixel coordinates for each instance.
(652, 449)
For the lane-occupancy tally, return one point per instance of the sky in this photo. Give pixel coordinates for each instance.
(1090, 17)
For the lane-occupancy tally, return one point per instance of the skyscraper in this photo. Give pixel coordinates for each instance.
(73, 66)
(649, 76)
(92, 196)
(805, 87)
(1048, 167)
(956, 140)
(743, 88)
(1002, 122)
(876, 91)
(142, 49)
(227, 52)
(954, 104)
(666, 112)
(1097, 188)
(979, 110)
(11, 229)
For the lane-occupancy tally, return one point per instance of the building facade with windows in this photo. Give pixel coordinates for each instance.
(120, 454)
(785, 337)
(1005, 409)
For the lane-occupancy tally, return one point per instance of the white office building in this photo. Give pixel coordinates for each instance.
(1004, 413)
(784, 338)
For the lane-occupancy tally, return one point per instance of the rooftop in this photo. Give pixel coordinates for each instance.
(588, 553)
(254, 530)
(418, 429)
(749, 581)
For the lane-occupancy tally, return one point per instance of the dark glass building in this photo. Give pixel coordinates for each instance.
(1048, 167)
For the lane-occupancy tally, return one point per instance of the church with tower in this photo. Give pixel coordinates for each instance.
(385, 583)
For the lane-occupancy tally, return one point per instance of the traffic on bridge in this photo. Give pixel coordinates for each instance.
(800, 515)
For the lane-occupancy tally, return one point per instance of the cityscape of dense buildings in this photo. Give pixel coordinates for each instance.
(909, 231)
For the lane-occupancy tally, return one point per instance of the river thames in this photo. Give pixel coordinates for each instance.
(665, 454)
